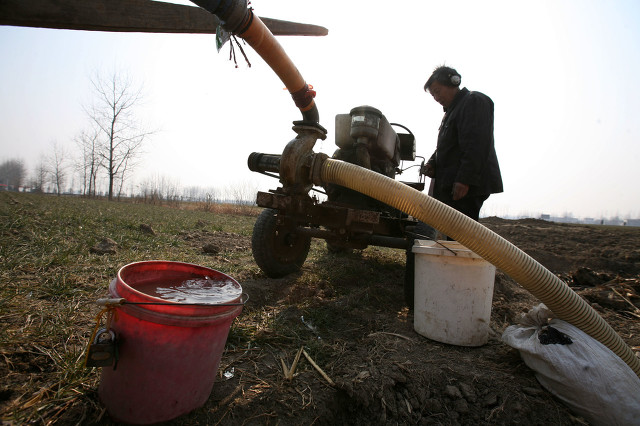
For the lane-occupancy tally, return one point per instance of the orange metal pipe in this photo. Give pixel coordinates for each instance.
(239, 19)
(260, 38)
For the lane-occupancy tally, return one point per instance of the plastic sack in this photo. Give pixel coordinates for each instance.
(583, 373)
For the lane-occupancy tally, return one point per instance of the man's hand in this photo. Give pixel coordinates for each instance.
(459, 191)
(429, 171)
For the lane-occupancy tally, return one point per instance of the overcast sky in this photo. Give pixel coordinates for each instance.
(563, 75)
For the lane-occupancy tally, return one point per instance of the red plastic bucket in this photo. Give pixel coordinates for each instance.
(169, 353)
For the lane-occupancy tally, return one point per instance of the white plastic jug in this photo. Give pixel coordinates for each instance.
(453, 292)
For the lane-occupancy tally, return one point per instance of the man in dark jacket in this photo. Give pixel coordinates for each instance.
(464, 166)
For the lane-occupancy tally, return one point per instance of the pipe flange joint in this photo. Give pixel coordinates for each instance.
(305, 126)
(295, 160)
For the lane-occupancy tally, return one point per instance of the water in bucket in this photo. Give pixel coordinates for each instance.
(205, 290)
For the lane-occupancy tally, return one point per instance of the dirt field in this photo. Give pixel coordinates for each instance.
(385, 373)
(347, 312)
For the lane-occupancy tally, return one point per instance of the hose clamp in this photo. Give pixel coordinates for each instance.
(315, 170)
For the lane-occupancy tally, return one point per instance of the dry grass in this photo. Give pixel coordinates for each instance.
(223, 208)
(50, 282)
(347, 312)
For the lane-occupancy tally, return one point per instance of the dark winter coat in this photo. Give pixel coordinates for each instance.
(465, 152)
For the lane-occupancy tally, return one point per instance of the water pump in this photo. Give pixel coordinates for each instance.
(346, 219)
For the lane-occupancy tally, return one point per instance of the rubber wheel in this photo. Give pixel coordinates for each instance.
(277, 253)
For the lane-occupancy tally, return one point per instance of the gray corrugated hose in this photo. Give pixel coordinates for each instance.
(534, 277)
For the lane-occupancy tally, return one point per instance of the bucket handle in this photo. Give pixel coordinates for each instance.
(431, 239)
(113, 301)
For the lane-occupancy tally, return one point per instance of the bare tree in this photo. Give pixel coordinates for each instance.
(40, 175)
(57, 166)
(121, 136)
(127, 165)
(242, 193)
(160, 188)
(12, 174)
(89, 161)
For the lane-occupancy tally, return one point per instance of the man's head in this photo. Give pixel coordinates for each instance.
(443, 85)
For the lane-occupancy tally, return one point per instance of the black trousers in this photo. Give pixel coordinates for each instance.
(469, 205)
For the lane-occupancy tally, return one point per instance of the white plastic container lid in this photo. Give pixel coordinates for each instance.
(443, 248)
